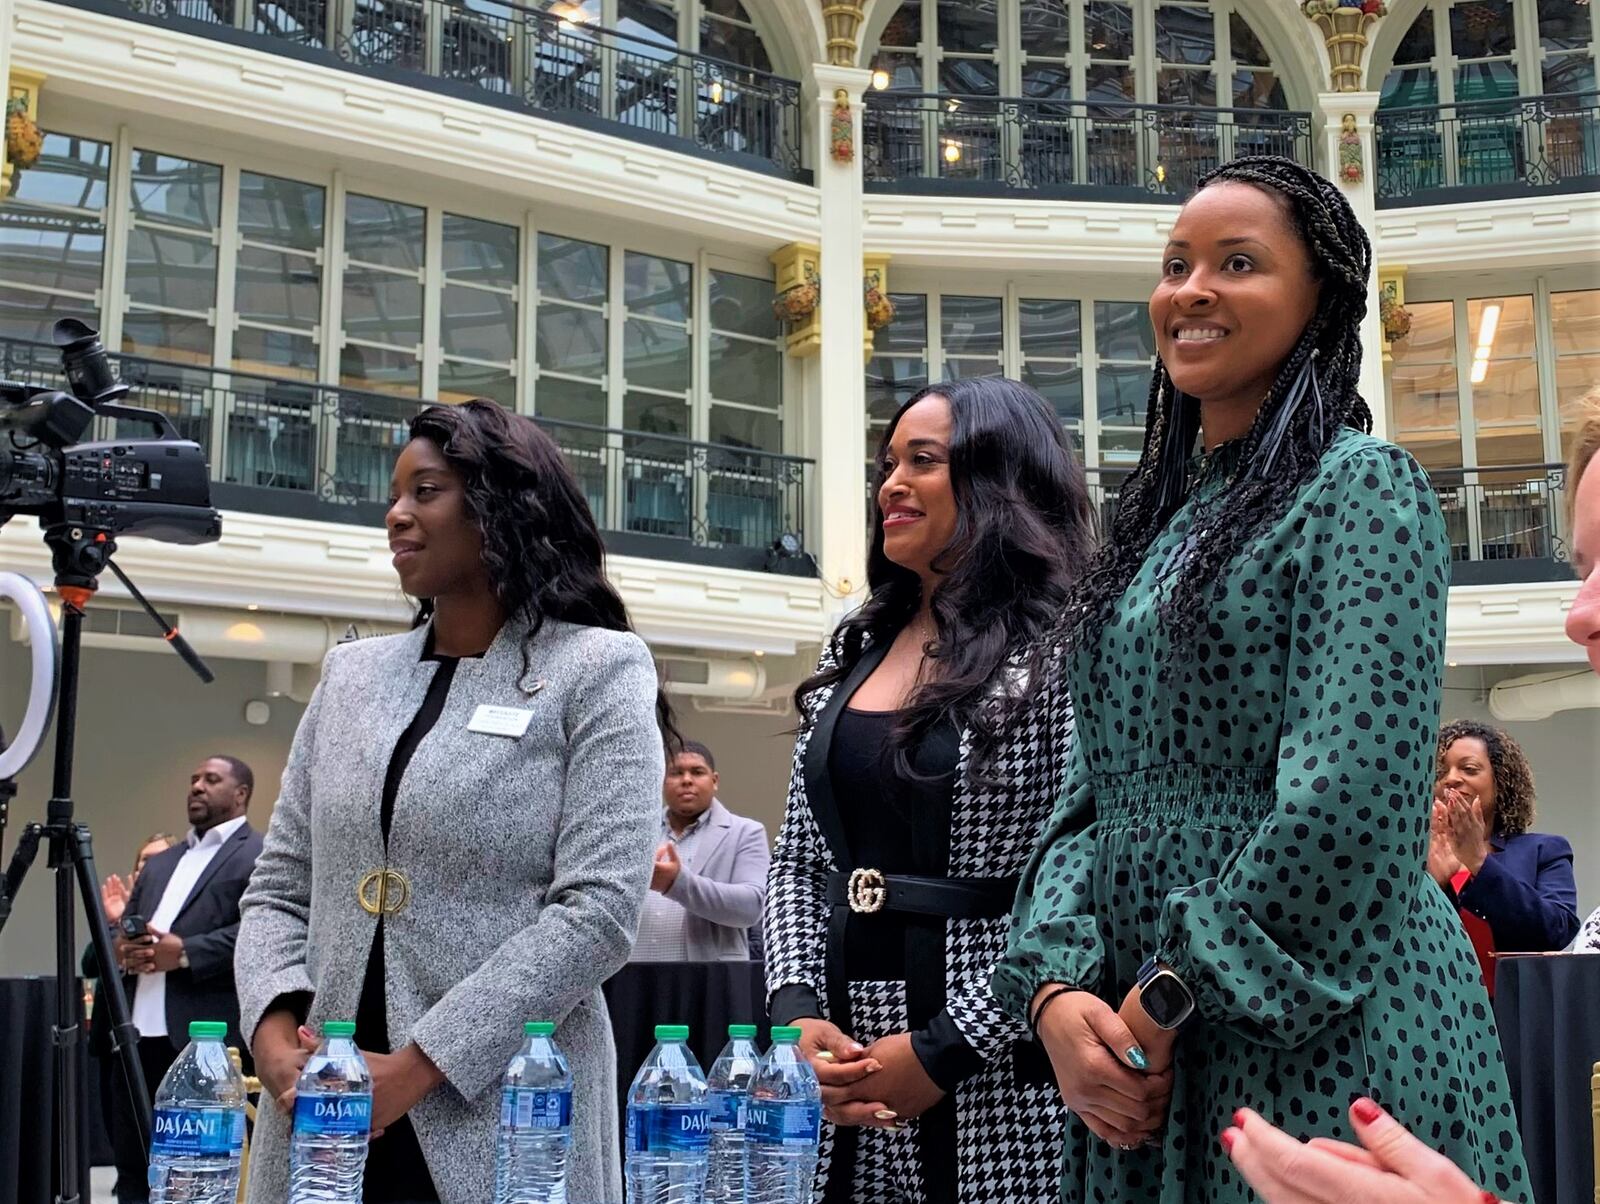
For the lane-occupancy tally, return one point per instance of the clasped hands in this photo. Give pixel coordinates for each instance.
(1459, 834)
(399, 1079)
(1114, 1068)
(877, 1085)
(156, 952)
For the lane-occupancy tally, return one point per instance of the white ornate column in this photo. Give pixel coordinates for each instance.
(1350, 159)
(837, 384)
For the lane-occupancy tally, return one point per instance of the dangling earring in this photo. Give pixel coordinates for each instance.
(1265, 459)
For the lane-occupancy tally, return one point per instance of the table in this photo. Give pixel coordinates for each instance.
(707, 996)
(27, 1082)
(1545, 1009)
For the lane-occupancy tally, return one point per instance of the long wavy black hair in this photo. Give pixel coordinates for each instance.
(541, 545)
(1312, 397)
(1024, 529)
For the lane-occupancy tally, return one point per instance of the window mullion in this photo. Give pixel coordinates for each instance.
(118, 225)
(432, 299)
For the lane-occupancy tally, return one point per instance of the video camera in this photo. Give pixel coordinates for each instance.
(158, 488)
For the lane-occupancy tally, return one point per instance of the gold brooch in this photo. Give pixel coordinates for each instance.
(383, 892)
(867, 891)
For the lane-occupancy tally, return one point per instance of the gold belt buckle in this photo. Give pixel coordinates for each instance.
(383, 892)
(866, 891)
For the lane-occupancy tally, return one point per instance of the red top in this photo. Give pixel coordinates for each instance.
(1478, 932)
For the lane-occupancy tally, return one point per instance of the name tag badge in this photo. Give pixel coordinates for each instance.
(500, 721)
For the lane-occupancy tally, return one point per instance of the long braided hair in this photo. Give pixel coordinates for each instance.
(1313, 395)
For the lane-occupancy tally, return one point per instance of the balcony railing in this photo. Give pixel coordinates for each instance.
(319, 451)
(521, 59)
(1488, 149)
(919, 142)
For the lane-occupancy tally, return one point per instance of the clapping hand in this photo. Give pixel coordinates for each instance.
(1443, 864)
(114, 894)
(1464, 819)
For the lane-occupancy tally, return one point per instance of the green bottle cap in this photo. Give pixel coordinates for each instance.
(785, 1034)
(538, 1028)
(745, 1031)
(338, 1028)
(207, 1030)
(672, 1032)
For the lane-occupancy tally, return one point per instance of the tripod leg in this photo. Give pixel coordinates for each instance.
(124, 1037)
(69, 1030)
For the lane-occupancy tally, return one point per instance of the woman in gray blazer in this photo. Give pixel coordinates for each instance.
(463, 839)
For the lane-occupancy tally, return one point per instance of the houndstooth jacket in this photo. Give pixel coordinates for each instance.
(994, 826)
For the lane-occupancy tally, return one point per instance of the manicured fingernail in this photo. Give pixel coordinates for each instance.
(824, 1055)
(1365, 1110)
(1229, 1136)
(1136, 1058)
(857, 1047)
(885, 1114)
(1238, 1118)
(1490, 1198)
(896, 1128)
(874, 1067)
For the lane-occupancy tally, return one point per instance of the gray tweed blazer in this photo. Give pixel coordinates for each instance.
(528, 860)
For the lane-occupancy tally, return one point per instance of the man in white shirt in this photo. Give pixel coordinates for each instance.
(710, 875)
(186, 905)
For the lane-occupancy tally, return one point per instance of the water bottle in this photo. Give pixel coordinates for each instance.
(535, 1122)
(332, 1121)
(728, 1089)
(668, 1125)
(198, 1132)
(783, 1125)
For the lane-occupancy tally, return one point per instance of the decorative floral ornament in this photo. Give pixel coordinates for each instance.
(1351, 170)
(841, 134)
(880, 310)
(1396, 318)
(23, 139)
(799, 301)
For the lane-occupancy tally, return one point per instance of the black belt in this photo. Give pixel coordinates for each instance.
(866, 891)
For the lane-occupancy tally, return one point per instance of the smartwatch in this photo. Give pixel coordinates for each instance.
(1163, 996)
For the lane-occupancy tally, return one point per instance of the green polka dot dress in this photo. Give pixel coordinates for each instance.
(1258, 820)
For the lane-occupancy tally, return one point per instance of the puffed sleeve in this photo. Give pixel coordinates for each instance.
(1055, 936)
(1293, 932)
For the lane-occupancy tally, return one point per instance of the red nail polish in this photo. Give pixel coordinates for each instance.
(1490, 1198)
(1228, 1138)
(1238, 1118)
(1366, 1111)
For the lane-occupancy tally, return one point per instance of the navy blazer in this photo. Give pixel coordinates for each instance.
(1525, 892)
(209, 925)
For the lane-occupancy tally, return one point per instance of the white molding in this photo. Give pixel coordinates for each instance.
(1525, 231)
(1511, 624)
(343, 572)
(237, 92)
(1016, 234)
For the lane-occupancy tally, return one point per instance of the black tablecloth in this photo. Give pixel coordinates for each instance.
(1546, 1009)
(27, 1081)
(707, 996)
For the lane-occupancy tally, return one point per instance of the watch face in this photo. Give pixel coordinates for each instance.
(1165, 999)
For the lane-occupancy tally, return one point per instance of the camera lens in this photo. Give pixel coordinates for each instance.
(84, 358)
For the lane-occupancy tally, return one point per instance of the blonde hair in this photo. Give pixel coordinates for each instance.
(1584, 446)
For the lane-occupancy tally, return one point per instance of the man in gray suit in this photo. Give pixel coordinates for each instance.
(710, 875)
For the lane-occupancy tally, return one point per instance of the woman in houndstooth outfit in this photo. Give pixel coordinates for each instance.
(930, 750)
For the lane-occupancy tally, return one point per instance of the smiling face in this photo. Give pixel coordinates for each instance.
(437, 547)
(1465, 767)
(1236, 291)
(916, 497)
(1583, 620)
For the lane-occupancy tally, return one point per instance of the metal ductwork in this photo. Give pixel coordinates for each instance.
(1541, 695)
(740, 678)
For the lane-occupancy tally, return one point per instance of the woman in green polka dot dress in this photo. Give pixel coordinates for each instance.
(1228, 906)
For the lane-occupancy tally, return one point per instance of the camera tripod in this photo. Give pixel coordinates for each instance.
(78, 554)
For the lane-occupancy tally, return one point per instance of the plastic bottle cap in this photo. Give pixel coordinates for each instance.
(672, 1032)
(785, 1034)
(339, 1028)
(745, 1031)
(538, 1028)
(207, 1030)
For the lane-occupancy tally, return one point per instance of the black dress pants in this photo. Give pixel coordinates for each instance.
(156, 1055)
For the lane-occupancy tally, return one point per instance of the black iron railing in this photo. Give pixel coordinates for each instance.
(1495, 515)
(1489, 148)
(520, 58)
(323, 451)
(921, 142)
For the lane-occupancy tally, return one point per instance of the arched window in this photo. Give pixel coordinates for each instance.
(1175, 52)
(1490, 94)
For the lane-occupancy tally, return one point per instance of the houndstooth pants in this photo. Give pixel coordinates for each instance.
(1009, 1136)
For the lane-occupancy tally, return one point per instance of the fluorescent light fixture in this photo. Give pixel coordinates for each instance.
(1480, 371)
(1488, 323)
(880, 79)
